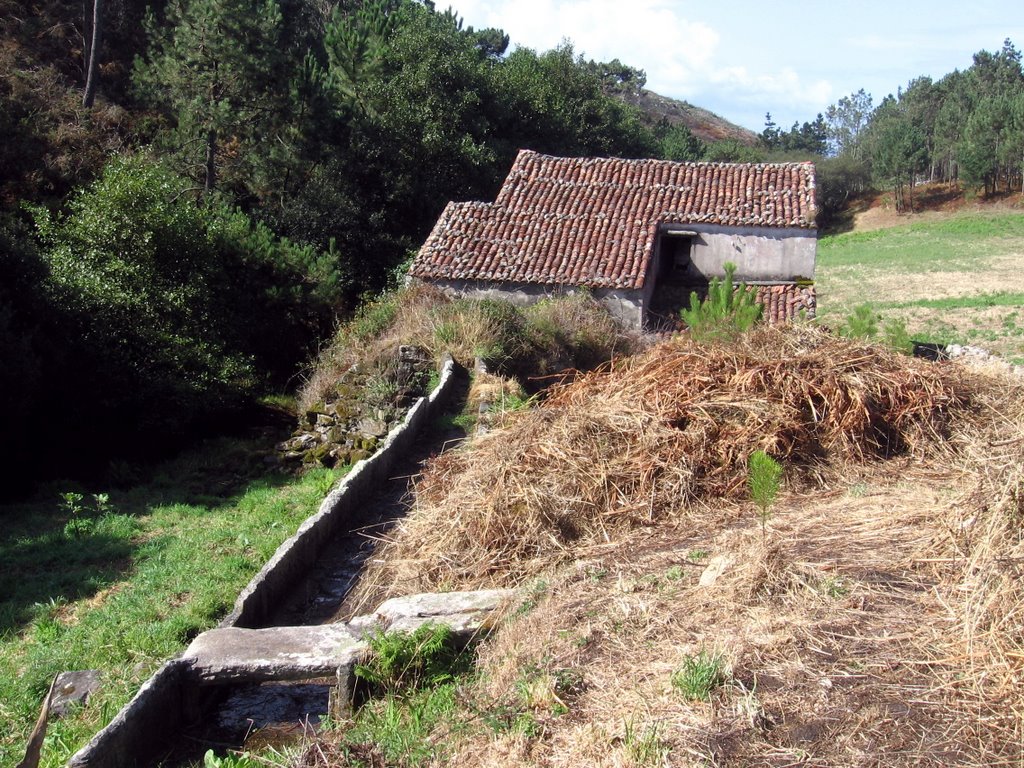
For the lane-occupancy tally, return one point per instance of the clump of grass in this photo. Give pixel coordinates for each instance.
(402, 661)
(699, 675)
(571, 332)
(643, 744)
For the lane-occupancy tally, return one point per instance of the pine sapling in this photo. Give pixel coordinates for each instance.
(763, 477)
(726, 312)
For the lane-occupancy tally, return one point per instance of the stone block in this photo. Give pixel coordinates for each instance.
(229, 655)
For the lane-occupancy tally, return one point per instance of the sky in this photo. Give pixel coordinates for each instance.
(741, 59)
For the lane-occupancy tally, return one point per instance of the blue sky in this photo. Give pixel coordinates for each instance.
(741, 59)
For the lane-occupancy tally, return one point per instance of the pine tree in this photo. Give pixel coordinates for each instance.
(216, 66)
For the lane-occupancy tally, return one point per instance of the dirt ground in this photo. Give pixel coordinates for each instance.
(838, 631)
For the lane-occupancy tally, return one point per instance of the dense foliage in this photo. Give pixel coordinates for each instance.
(243, 173)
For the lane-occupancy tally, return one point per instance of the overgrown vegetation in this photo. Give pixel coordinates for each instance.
(121, 581)
(550, 337)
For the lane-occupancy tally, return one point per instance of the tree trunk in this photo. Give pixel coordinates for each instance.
(211, 161)
(91, 68)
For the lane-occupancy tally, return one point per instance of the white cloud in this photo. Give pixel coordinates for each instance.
(683, 58)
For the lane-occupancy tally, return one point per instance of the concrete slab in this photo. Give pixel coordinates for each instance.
(467, 613)
(233, 654)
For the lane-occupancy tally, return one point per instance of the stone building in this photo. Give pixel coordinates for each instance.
(638, 234)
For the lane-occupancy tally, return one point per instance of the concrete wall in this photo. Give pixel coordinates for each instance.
(158, 710)
(626, 306)
(760, 254)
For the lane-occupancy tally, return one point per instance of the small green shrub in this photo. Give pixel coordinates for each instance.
(402, 661)
(726, 312)
(699, 676)
(861, 324)
(763, 478)
(896, 335)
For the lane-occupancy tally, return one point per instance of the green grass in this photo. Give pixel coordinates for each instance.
(163, 565)
(699, 675)
(949, 280)
(980, 301)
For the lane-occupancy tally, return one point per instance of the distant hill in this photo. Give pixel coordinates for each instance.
(707, 126)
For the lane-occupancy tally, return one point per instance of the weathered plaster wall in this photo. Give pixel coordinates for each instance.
(769, 255)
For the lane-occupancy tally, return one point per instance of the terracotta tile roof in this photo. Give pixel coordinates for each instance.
(786, 302)
(593, 221)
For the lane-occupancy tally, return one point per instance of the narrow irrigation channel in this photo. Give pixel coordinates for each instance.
(256, 715)
(226, 690)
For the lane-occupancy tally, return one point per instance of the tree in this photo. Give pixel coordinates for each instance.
(355, 45)
(679, 144)
(771, 136)
(93, 52)
(898, 151)
(845, 122)
(216, 66)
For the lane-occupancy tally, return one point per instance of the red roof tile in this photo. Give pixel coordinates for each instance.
(593, 221)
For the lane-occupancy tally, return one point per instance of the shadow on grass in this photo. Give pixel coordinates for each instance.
(40, 571)
(43, 566)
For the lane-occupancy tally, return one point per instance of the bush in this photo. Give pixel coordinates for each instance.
(404, 661)
(726, 312)
(171, 310)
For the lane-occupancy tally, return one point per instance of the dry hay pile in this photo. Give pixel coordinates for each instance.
(659, 437)
(880, 621)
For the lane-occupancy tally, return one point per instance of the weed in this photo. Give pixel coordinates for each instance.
(675, 573)
(230, 760)
(763, 476)
(832, 587)
(726, 311)
(859, 489)
(697, 555)
(538, 692)
(699, 675)
(644, 746)
(402, 661)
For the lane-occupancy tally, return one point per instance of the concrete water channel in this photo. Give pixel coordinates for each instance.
(265, 675)
(256, 715)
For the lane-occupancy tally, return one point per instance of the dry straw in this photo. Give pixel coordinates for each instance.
(656, 438)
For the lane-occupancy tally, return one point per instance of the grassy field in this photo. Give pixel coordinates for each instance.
(956, 279)
(122, 583)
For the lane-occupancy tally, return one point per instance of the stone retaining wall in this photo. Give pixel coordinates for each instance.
(158, 709)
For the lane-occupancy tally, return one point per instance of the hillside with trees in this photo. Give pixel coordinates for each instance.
(193, 192)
